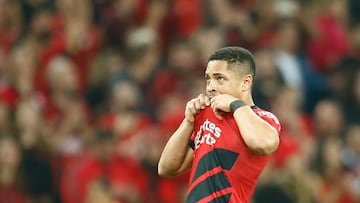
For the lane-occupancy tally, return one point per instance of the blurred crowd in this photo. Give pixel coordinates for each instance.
(90, 90)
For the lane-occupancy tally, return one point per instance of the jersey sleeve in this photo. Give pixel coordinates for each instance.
(270, 118)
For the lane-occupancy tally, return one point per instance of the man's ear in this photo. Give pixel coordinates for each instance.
(247, 82)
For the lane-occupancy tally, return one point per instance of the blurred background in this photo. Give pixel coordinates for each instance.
(90, 90)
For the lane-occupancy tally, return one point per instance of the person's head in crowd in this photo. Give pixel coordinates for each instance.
(287, 105)
(327, 157)
(40, 27)
(28, 124)
(289, 35)
(223, 13)
(105, 67)
(209, 39)
(339, 9)
(10, 157)
(265, 65)
(328, 118)
(23, 66)
(79, 11)
(10, 17)
(183, 56)
(102, 144)
(143, 61)
(61, 75)
(99, 190)
(125, 96)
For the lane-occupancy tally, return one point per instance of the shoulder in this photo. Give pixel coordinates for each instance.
(268, 117)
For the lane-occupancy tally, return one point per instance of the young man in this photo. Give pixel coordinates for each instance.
(230, 138)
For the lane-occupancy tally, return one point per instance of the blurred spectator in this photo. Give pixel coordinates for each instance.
(333, 183)
(351, 158)
(117, 17)
(296, 147)
(39, 180)
(328, 119)
(294, 65)
(105, 68)
(268, 78)
(329, 41)
(354, 6)
(128, 179)
(84, 168)
(12, 187)
(98, 191)
(352, 104)
(177, 74)
(10, 23)
(63, 87)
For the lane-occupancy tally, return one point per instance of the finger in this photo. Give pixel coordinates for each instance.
(192, 108)
(207, 101)
(203, 101)
(198, 104)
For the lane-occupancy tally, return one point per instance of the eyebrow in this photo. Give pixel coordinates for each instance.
(214, 74)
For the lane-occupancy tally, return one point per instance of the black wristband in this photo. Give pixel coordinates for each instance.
(236, 104)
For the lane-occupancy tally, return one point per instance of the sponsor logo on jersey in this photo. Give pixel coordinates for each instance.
(208, 133)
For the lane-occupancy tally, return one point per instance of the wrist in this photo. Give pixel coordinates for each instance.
(236, 104)
(188, 121)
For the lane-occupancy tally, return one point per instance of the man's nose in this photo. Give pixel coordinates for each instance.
(211, 87)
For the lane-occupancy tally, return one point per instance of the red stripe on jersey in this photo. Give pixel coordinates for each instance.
(205, 176)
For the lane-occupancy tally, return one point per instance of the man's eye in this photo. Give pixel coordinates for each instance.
(220, 79)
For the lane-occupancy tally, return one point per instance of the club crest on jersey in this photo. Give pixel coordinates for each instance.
(208, 133)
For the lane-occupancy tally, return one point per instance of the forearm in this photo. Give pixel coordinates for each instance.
(175, 159)
(258, 135)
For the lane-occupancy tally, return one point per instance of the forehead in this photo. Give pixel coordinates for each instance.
(217, 66)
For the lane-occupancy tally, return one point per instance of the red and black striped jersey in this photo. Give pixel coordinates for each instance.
(224, 169)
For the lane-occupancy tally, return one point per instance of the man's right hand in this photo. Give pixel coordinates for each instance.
(194, 106)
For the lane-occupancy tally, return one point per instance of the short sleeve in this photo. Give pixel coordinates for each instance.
(270, 118)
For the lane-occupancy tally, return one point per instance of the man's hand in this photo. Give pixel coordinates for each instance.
(221, 103)
(195, 105)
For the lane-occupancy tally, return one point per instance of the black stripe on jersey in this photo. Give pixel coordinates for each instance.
(192, 144)
(213, 159)
(207, 187)
(221, 199)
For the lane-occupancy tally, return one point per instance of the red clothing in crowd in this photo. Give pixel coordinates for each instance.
(12, 194)
(78, 173)
(331, 44)
(81, 57)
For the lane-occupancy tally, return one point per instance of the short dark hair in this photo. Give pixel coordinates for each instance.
(236, 57)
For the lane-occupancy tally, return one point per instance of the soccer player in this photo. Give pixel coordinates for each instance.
(224, 138)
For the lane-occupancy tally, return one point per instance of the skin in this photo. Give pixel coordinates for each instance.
(223, 86)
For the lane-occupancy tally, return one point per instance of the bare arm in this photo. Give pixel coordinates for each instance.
(258, 135)
(177, 156)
